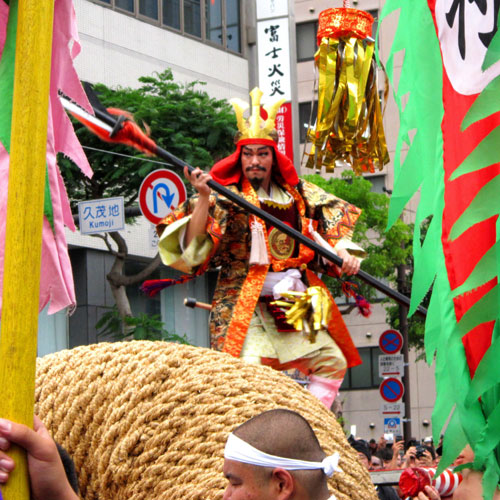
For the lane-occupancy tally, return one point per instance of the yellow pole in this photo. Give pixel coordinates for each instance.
(23, 240)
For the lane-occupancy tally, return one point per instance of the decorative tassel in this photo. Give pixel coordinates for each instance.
(258, 251)
(308, 311)
(364, 307)
(152, 287)
(126, 131)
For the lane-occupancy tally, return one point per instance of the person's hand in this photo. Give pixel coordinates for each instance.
(410, 457)
(350, 264)
(198, 180)
(396, 448)
(429, 493)
(47, 475)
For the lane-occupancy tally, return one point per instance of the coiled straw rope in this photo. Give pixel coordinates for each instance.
(149, 420)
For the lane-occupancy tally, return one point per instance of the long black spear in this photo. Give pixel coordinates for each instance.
(116, 127)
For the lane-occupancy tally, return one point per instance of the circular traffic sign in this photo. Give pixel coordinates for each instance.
(392, 390)
(390, 341)
(161, 192)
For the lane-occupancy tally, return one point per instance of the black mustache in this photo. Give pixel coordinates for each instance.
(255, 166)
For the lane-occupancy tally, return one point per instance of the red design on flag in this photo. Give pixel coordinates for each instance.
(463, 253)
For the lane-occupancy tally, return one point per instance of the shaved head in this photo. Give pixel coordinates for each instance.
(283, 433)
(287, 434)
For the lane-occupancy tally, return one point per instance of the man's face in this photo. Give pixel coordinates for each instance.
(245, 483)
(257, 163)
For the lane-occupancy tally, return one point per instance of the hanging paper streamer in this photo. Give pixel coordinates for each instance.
(56, 277)
(349, 121)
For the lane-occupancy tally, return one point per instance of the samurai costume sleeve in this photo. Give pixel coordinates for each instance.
(202, 251)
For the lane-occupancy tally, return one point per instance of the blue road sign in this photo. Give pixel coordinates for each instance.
(390, 341)
(393, 425)
(392, 390)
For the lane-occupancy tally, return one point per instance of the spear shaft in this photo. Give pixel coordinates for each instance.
(115, 125)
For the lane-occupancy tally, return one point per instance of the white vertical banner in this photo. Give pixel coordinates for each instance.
(274, 65)
(274, 59)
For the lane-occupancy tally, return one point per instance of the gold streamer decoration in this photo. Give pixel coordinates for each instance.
(308, 311)
(349, 125)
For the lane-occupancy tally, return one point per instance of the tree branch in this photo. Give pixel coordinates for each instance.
(120, 243)
(123, 280)
(104, 237)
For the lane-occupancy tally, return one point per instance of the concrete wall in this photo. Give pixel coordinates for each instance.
(117, 49)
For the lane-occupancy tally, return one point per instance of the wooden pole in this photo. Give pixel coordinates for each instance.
(23, 240)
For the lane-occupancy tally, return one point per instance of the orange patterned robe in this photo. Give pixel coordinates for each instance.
(239, 285)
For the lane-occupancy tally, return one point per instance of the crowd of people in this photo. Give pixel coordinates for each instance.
(389, 453)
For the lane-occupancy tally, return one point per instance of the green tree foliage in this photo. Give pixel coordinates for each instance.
(386, 249)
(181, 118)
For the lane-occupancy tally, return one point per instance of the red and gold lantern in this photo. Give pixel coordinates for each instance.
(349, 121)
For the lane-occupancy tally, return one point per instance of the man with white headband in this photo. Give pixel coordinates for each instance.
(277, 456)
(273, 456)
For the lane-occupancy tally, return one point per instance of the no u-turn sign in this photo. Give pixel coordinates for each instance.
(161, 192)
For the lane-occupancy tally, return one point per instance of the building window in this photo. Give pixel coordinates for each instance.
(127, 5)
(217, 22)
(364, 376)
(378, 183)
(233, 23)
(213, 19)
(172, 14)
(306, 40)
(192, 17)
(148, 8)
(306, 37)
(305, 118)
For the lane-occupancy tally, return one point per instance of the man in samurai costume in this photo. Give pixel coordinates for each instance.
(260, 264)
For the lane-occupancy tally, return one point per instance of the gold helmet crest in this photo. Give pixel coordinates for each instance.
(255, 127)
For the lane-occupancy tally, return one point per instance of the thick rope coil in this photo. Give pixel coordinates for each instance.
(149, 420)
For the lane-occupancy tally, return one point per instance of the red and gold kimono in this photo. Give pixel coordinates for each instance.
(227, 246)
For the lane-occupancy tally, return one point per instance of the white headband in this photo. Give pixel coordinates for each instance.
(238, 450)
